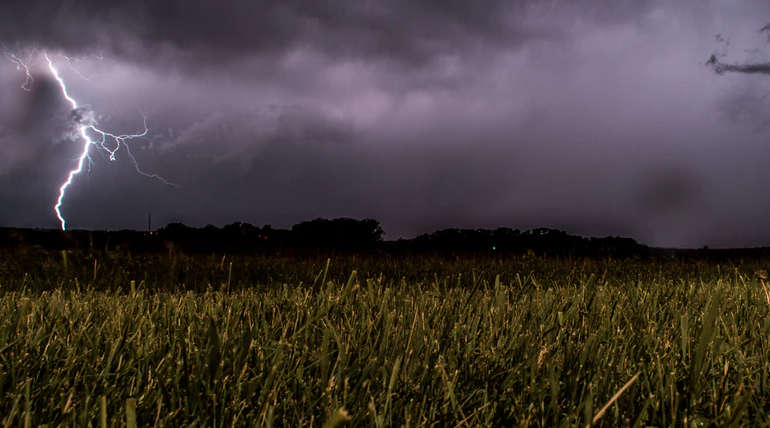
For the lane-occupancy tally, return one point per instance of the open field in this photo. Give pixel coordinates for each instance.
(216, 340)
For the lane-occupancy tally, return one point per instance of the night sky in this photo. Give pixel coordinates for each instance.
(598, 117)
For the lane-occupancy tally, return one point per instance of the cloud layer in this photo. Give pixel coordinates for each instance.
(598, 117)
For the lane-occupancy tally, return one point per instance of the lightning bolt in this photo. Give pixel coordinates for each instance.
(109, 142)
(21, 66)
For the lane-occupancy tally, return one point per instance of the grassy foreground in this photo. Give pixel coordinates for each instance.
(270, 341)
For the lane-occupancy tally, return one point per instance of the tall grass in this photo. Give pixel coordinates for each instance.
(399, 342)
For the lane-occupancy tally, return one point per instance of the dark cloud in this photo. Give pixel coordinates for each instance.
(669, 190)
(720, 67)
(401, 31)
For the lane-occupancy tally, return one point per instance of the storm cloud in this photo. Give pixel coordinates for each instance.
(403, 31)
(594, 116)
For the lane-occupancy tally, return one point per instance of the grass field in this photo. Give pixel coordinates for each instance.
(394, 341)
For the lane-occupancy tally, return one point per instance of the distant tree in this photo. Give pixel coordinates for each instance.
(239, 229)
(175, 231)
(337, 233)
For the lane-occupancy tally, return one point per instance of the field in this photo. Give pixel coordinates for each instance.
(113, 338)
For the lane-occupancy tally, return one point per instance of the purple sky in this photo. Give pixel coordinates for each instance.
(597, 117)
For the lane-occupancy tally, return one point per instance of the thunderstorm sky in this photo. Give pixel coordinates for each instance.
(598, 117)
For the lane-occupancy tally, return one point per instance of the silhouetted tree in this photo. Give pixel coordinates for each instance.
(345, 233)
(174, 231)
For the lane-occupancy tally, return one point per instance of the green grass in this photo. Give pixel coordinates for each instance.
(280, 341)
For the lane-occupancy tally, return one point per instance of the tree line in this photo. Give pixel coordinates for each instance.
(340, 234)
